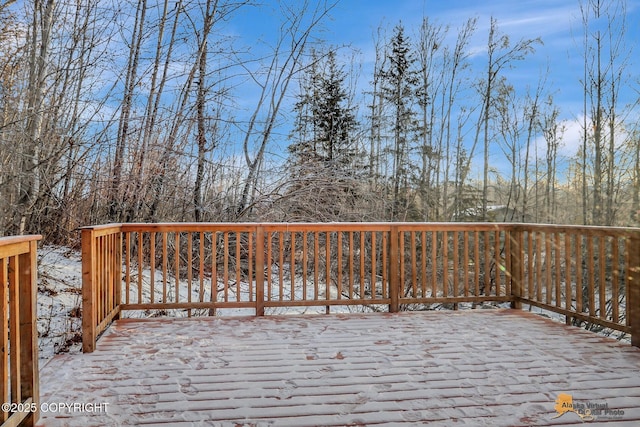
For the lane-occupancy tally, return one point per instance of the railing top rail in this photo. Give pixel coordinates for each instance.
(102, 226)
(185, 226)
(16, 245)
(306, 226)
(9, 240)
(564, 228)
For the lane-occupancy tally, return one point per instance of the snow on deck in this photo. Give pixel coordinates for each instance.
(480, 367)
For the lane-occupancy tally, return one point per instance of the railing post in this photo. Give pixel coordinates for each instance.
(394, 269)
(118, 273)
(517, 260)
(88, 294)
(633, 304)
(29, 374)
(259, 270)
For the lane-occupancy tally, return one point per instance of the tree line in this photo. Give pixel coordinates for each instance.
(156, 111)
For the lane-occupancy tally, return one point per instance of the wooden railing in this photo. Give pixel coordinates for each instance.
(18, 321)
(590, 275)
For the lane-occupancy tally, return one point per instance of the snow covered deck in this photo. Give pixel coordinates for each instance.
(474, 367)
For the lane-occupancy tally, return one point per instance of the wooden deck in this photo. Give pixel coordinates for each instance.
(480, 367)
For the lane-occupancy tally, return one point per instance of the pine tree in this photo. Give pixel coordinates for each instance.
(324, 160)
(399, 84)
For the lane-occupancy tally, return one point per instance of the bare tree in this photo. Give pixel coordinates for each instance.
(430, 84)
(272, 81)
(500, 55)
(553, 132)
(455, 62)
(605, 60)
(39, 45)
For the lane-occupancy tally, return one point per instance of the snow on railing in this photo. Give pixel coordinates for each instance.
(587, 274)
(19, 394)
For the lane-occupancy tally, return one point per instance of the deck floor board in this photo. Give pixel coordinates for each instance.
(479, 367)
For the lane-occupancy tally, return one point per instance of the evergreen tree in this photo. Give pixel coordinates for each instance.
(323, 157)
(398, 89)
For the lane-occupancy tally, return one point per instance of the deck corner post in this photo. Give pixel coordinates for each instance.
(517, 260)
(28, 314)
(259, 270)
(394, 269)
(633, 304)
(88, 296)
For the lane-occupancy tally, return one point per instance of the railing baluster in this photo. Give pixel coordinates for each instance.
(362, 271)
(434, 264)
(189, 268)
(238, 256)
(395, 264)
(445, 263)
(177, 265)
(225, 265)
(515, 239)
(487, 262)
(260, 261)
(305, 263)
(5, 391)
(590, 276)
(339, 264)
(530, 259)
(280, 265)
(316, 266)
(214, 271)
(127, 267)
(423, 263)
(557, 248)
(269, 262)
(140, 247)
(165, 264)
(602, 287)
(414, 265)
(385, 265)
(292, 261)
(152, 266)
(539, 263)
(476, 261)
(615, 283)
(327, 282)
(374, 264)
(14, 329)
(456, 265)
(568, 276)
(465, 260)
(548, 258)
(250, 266)
(403, 265)
(579, 284)
(497, 259)
(201, 266)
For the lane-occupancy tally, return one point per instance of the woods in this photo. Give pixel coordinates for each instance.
(161, 111)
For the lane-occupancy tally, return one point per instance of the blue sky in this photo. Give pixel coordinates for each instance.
(557, 22)
(354, 23)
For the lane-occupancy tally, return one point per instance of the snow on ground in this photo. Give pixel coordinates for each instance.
(59, 301)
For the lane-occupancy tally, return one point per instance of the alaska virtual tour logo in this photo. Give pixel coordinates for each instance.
(587, 411)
